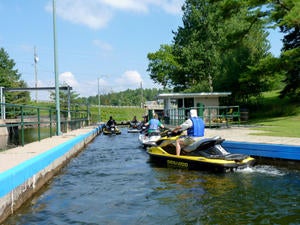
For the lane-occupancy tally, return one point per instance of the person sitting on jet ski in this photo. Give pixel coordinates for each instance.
(195, 129)
(154, 124)
(134, 122)
(111, 122)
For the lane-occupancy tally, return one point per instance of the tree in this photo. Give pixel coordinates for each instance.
(64, 98)
(286, 16)
(219, 42)
(196, 46)
(162, 65)
(10, 78)
(245, 44)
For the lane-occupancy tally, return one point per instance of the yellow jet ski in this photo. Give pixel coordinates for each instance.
(204, 154)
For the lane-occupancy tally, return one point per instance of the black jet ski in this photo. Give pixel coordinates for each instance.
(111, 130)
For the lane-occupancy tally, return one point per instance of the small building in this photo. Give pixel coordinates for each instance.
(177, 105)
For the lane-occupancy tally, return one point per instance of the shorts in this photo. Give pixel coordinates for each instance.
(186, 140)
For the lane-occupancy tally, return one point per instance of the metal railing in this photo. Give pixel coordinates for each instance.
(25, 116)
(213, 116)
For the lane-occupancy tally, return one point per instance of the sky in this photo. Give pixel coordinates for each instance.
(103, 42)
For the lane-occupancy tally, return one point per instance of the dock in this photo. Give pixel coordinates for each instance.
(275, 150)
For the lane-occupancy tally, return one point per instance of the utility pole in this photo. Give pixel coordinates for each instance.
(58, 129)
(36, 59)
(142, 97)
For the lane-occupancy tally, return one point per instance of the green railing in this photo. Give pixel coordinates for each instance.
(213, 116)
(26, 116)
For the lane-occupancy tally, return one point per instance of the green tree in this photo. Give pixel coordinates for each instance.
(65, 97)
(196, 47)
(10, 78)
(163, 65)
(219, 42)
(244, 45)
(286, 15)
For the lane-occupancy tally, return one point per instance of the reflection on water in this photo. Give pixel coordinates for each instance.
(30, 135)
(111, 182)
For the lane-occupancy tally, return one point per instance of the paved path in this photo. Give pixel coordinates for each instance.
(16, 156)
(245, 134)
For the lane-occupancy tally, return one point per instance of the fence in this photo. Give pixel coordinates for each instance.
(213, 116)
(15, 117)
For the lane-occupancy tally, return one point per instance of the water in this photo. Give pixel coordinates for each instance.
(112, 182)
(14, 138)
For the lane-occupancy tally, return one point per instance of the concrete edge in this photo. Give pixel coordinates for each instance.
(19, 183)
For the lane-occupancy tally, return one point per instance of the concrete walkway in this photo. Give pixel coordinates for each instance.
(246, 134)
(15, 156)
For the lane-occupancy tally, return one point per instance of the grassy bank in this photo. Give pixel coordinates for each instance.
(120, 114)
(280, 126)
(275, 116)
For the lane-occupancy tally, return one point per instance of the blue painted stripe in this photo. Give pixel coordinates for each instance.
(278, 151)
(17, 175)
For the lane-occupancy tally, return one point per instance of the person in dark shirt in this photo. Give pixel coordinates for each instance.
(111, 122)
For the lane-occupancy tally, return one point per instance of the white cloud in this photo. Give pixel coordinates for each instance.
(128, 5)
(96, 14)
(130, 79)
(91, 13)
(68, 78)
(172, 6)
(102, 45)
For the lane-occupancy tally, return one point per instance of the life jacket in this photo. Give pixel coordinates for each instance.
(153, 125)
(197, 130)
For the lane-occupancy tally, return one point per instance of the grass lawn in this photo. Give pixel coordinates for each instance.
(280, 126)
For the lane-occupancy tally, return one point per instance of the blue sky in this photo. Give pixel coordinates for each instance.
(96, 39)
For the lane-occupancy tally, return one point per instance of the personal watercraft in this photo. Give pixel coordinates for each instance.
(204, 154)
(150, 139)
(111, 130)
(134, 127)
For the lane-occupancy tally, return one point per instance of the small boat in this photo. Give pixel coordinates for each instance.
(112, 130)
(205, 154)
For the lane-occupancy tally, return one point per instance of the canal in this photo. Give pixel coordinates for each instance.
(112, 182)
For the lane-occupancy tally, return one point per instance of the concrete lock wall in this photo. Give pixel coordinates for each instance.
(3, 134)
(19, 183)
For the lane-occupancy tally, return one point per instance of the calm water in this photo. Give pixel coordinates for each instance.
(111, 182)
(14, 138)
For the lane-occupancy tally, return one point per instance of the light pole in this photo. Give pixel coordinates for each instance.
(99, 114)
(58, 129)
(36, 59)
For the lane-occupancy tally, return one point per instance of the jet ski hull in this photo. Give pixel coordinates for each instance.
(199, 159)
(111, 131)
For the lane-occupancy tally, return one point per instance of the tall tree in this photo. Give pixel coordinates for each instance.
(287, 17)
(10, 78)
(219, 42)
(163, 65)
(196, 46)
(244, 45)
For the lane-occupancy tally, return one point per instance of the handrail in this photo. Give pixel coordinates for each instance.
(213, 116)
(23, 116)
